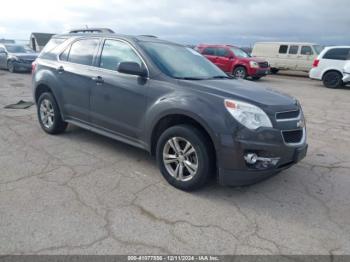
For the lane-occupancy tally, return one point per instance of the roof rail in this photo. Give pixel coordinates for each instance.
(91, 30)
(149, 36)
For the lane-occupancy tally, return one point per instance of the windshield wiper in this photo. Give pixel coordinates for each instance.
(220, 77)
(189, 78)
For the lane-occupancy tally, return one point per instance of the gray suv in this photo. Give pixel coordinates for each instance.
(171, 101)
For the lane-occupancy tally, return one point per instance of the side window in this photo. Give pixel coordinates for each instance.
(115, 52)
(293, 49)
(222, 52)
(306, 50)
(283, 49)
(338, 54)
(209, 51)
(64, 55)
(82, 51)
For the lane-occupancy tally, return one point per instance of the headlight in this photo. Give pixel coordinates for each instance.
(253, 64)
(248, 115)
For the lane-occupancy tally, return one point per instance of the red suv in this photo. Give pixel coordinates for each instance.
(235, 61)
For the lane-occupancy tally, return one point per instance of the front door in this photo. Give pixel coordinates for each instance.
(118, 101)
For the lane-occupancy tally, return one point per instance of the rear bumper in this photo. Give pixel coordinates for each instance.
(315, 74)
(346, 77)
(22, 66)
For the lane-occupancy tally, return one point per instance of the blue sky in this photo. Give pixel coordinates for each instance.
(239, 22)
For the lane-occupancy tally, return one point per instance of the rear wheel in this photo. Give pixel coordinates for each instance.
(11, 67)
(49, 115)
(332, 79)
(240, 72)
(184, 158)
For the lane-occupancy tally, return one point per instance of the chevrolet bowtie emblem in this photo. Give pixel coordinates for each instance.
(301, 123)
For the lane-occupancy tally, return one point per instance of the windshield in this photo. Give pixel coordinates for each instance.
(318, 48)
(15, 48)
(239, 52)
(181, 62)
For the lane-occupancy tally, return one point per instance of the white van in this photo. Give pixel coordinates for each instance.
(287, 55)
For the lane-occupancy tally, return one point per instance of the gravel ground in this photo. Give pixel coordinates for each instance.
(81, 193)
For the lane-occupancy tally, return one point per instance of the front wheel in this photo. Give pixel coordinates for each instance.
(184, 158)
(332, 79)
(240, 72)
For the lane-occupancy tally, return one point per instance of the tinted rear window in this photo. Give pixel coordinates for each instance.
(293, 50)
(283, 49)
(338, 54)
(83, 51)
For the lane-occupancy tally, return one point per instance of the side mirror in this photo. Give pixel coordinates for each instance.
(131, 68)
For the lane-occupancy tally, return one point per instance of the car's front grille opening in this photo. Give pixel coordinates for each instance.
(287, 115)
(263, 64)
(293, 136)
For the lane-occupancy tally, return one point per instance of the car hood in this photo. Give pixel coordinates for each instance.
(255, 59)
(245, 91)
(25, 56)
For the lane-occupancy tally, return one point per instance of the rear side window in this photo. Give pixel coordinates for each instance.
(49, 51)
(82, 51)
(283, 49)
(209, 51)
(338, 54)
(293, 50)
(306, 50)
(222, 52)
(115, 52)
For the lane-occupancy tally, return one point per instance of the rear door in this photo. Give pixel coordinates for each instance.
(292, 57)
(118, 101)
(335, 58)
(282, 57)
(223, 60)
(75, 72)
(210, 53)
(305, 58)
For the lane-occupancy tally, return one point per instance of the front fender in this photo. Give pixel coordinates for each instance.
(211, 118)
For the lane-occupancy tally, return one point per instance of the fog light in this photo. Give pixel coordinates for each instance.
(260, 162)
(251, 158)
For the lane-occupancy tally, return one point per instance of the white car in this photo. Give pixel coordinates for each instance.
(346, 73)
(329, 65)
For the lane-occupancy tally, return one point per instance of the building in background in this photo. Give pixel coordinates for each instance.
(37, 41)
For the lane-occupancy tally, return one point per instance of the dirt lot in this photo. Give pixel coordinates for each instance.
(80, 193)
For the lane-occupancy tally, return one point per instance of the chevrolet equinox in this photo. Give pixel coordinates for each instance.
(171, 101)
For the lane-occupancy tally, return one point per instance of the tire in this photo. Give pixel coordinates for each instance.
(197, 167)
(11, 67)
(49, 115)
(332, 79)
(255, 78)
(274, 71)
(240, 72)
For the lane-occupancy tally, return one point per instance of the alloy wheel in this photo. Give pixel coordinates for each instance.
(180, 159)
(47, 113)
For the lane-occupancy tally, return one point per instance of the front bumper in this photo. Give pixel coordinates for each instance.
(259, 72)
(233, 168)
(346, 77)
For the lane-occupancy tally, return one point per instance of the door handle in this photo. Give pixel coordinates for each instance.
(98, 79)
(60, 69)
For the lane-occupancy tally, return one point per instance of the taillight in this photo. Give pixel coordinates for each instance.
(33, 67)
(316, 62)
